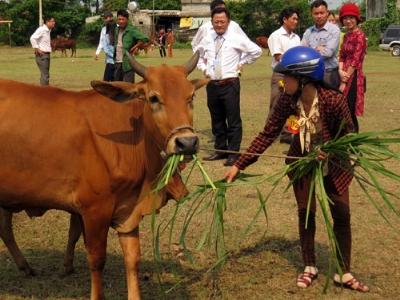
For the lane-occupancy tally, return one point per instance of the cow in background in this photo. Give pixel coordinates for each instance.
(63, 44)
(103, 157)
(262, 41)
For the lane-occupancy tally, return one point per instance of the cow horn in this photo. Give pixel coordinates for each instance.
(136, 66)
(192, 62)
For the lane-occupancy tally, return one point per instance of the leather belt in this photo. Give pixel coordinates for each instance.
(224, 81)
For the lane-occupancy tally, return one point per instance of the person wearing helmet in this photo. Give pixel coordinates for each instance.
(322, 114)
(351, 60)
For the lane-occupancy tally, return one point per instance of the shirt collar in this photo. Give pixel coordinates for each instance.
(215, 35)
(283, 31)
(325, 27)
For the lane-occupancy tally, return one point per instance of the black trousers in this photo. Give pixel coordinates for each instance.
(223, 102)
(340, 211)
(352, 99)
(109, 72)
(120, 75)
(163, 53)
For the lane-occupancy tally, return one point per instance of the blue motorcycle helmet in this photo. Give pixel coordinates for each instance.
(301, 62)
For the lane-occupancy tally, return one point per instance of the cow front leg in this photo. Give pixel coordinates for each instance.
(75, 230)
(95, 236)
(130, 245)
(7, 235)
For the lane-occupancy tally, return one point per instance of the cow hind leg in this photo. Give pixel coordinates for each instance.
(130, 245)
(7, 235)
(75, 230)
(95, 236)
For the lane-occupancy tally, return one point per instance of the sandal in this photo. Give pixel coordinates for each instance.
(352, 284)
(305, 279)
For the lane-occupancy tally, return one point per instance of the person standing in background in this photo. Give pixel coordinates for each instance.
(207, 27)
(223, 52)
(162, 39)
(324, 37)
(170, 41)
(106, 43)
(351, 60)
(279, 42)
(41, 42)
(127, 38)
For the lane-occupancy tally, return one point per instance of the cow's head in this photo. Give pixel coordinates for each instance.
(169, 98)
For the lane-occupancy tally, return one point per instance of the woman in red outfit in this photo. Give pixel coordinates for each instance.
(351, 59)
(322, 114)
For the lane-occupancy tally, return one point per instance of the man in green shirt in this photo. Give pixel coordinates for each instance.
(127, 38)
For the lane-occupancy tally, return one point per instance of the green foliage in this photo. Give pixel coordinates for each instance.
(160, 4)
(91, 33)
(69, 15)
(260, 17)
(113, 5)
(374, 27)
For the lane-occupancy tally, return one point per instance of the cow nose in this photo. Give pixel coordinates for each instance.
(186, 145)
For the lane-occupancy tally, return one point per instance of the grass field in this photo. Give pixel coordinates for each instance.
(265, 264)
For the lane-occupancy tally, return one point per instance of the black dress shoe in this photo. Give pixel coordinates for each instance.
(215, 156)
(231, 160)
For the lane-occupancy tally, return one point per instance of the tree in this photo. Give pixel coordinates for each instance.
(113, 5)
(260, 17)
(69, 14)
(160, 4)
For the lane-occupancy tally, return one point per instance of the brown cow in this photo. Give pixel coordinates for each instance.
(63, 44)
(262, 41)
(82, 153)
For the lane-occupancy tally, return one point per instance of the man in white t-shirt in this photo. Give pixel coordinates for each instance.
(207, 27)
(278, 43)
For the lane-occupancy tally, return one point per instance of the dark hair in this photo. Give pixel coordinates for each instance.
(123, 13)
(110, 30)
(47, 19)
(220, 10)
(318, 3)
(107, 14)
(331, 13)
(216, 3)
(287, 13)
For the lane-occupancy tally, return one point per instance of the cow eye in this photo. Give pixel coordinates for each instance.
(154, 99)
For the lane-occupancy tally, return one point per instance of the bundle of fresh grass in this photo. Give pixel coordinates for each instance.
(363, 154)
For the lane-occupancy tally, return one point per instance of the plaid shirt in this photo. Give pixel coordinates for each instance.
(333, 110)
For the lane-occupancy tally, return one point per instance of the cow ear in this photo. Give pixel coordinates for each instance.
(118, 90)
(198, 83)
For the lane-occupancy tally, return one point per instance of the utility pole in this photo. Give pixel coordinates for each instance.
(40, 13)
(153, 29)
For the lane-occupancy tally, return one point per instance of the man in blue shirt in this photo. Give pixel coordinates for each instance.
(324, 37)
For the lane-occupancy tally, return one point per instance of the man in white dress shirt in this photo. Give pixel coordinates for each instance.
(223, 53)
(41, 42)
(207, 27)
(279, 42)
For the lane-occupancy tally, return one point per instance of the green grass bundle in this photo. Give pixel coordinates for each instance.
(365, 155)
